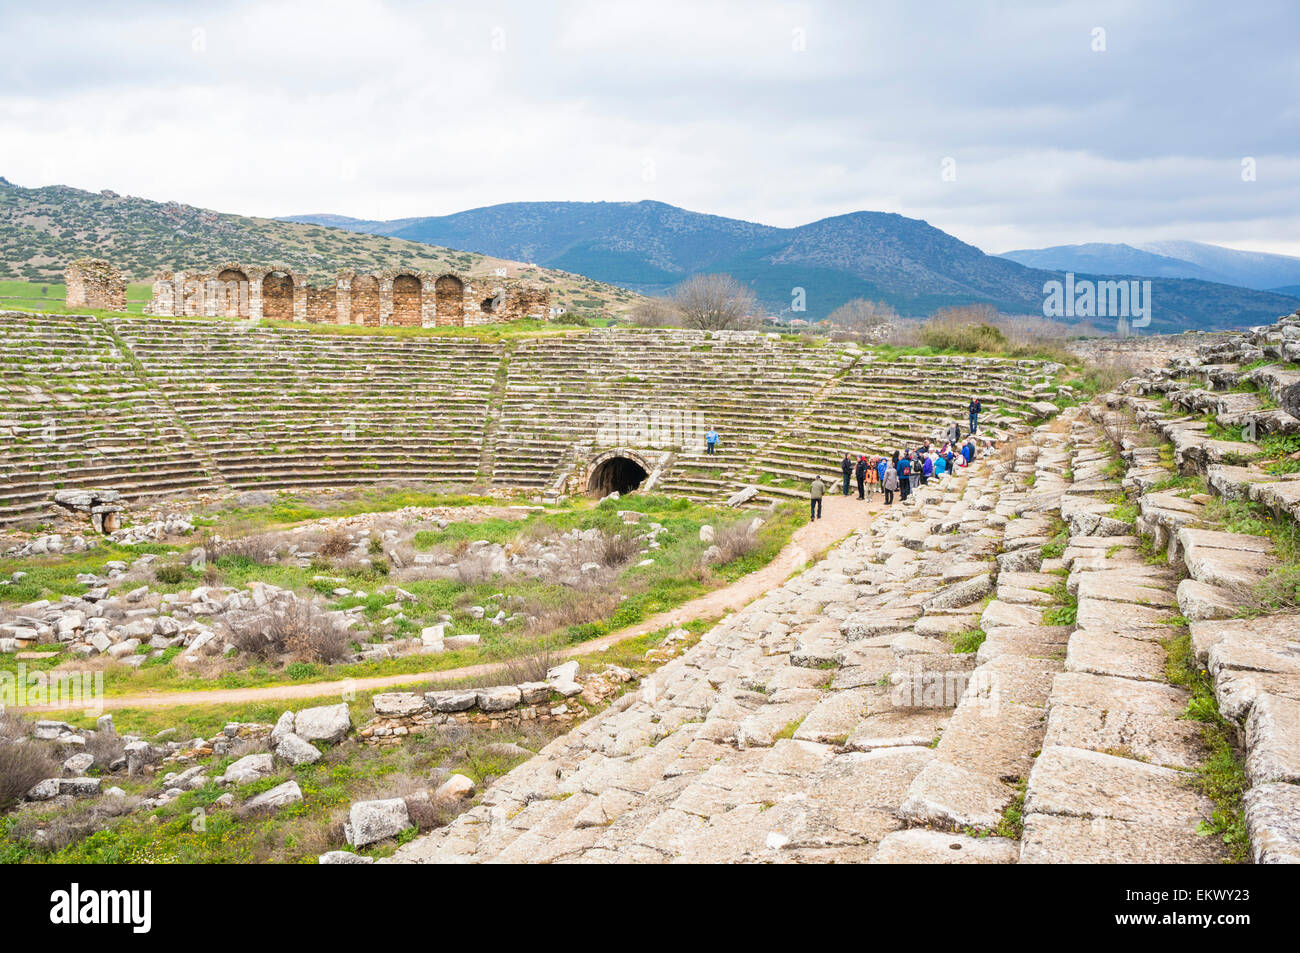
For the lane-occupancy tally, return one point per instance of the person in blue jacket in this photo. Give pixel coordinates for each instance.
(904, 466)
(710, 440)
(940, 465)
(882, 464)
(968, 451)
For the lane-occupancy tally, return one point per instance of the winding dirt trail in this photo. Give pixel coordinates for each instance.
(841, 516)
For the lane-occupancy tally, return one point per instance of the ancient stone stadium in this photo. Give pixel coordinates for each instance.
(352, 580)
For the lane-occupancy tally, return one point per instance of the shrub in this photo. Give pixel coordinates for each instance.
(294, 626)
(254, 548)
(169, 575)
(22, 765)
(106, 747)
(335, 544)
(423, 813)
(617, 549)
(953, 333)
(735, 541)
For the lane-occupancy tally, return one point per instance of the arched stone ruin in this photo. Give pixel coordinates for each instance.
(391, 298)
(616, 473)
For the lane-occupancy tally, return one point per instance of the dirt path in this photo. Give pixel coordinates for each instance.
(841, 516)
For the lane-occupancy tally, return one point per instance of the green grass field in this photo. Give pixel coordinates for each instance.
(40, 296)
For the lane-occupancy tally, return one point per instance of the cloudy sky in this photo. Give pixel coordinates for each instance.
(1007, 124)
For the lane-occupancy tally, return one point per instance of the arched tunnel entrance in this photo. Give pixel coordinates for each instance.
(616, 474)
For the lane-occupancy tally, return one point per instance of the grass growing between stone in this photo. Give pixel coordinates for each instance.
(1279, 590)
(1066, 608)
(964, 643)
(1222, 777)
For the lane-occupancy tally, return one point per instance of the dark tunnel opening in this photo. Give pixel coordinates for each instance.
(617, 474)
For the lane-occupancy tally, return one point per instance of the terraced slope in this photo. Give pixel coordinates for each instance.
(153, 406)
(76, 414)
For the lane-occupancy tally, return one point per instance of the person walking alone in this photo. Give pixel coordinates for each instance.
(974, 411)
(816, 490)
(710, 441)
(846, 468)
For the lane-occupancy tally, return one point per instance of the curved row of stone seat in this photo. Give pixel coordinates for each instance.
(295, 408)
(1242, 380)
(75, 415)
(1251, 657)
(564, 391)
(873, 408)
(1111, 784)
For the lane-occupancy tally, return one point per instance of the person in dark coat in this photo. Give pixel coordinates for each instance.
(861, 473)
(846, 468)
(974, 411)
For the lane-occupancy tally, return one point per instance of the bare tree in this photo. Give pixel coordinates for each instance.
(655, 313)
(861, 314)
(715, 303)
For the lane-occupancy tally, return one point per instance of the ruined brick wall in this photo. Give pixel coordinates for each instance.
(322, 305)
(365, 300)
(94, 283)
(277, 297)
(393, 298)
(408, 295)
(449, 295)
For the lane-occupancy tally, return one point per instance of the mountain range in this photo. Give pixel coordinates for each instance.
(595, 256)
(1170, 259)
(651, 246)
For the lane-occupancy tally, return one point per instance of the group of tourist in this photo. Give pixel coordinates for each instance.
(900, 473)
(904, 470)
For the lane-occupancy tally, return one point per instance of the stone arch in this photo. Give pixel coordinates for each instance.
(365, 300)
(277, 296)
(408, 301)
(619, 470)
(449, 298)
(232, 286)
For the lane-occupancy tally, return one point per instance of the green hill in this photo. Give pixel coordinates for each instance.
(41, 230)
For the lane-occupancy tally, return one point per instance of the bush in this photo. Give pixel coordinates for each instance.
(956, 332)
(335, 544)
(617, 549)
(735, 541)
(297, 627)
(169, 575)
(22, 765)
(572, 317)
(254, 548)
(106, 747)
